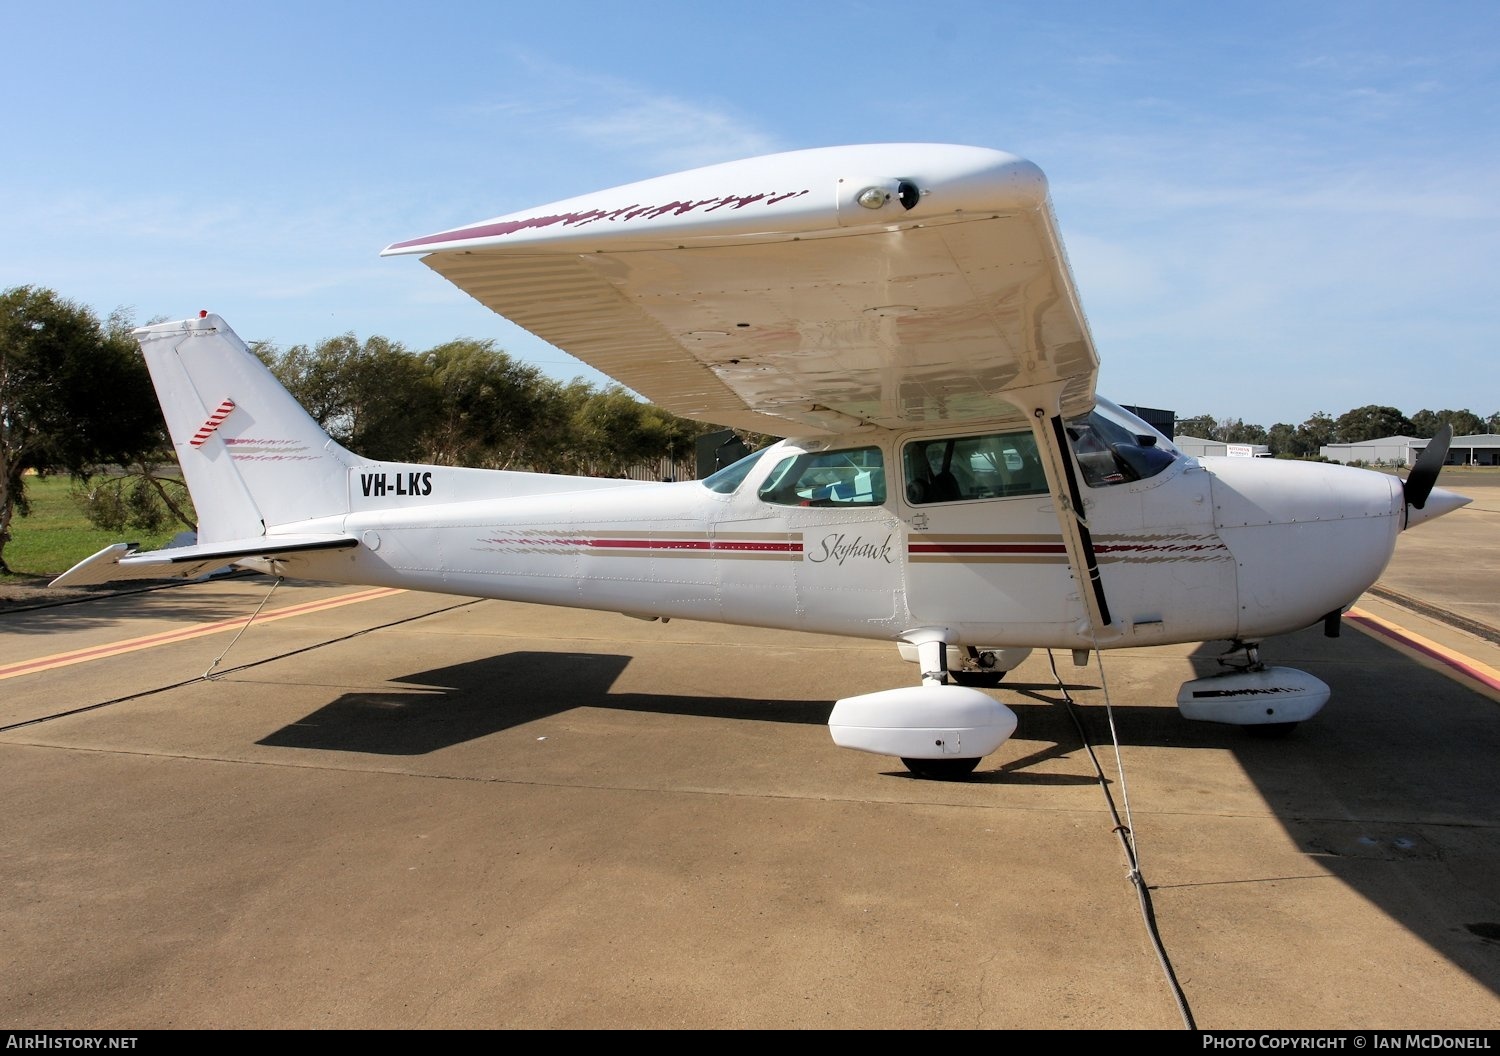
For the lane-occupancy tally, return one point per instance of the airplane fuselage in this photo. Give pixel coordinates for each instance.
(1204, 549)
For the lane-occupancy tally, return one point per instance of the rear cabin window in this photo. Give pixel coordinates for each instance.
(854, 477)
(958, 468)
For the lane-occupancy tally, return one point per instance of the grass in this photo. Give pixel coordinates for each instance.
(57, 535)
(1456, 478)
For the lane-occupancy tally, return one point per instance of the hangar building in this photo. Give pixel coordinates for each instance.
(1198, 448)
(1481, 449)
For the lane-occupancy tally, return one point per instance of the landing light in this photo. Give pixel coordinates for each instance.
(873, 197)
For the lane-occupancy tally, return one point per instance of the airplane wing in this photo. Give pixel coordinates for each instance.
(811, 293)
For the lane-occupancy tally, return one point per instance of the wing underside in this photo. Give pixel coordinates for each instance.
(823, 318)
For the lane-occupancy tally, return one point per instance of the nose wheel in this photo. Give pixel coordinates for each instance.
(1244, 656)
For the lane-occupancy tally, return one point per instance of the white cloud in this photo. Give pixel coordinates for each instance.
(659, 131)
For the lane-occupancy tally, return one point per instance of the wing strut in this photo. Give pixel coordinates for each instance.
(1099, 612)
(1042, 405)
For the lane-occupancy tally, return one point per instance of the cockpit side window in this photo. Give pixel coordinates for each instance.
(854, 477)
(959, 468)
(1112, 447)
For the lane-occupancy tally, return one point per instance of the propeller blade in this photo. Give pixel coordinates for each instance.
(1424, 474)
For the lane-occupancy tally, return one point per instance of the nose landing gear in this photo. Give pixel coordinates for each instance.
(1266, 701)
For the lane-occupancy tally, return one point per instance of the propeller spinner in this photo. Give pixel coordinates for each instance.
(1423, 500)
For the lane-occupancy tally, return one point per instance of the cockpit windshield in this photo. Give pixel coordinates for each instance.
(1114, 446)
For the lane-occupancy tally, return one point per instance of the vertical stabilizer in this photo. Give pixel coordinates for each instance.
(252, 457)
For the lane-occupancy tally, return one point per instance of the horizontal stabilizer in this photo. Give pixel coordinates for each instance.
(121, 561)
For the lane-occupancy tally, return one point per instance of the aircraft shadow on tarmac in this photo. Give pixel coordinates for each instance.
(1393, 788)
(441, 707)
(426, 711)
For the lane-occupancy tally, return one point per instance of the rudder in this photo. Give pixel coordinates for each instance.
(251, 456)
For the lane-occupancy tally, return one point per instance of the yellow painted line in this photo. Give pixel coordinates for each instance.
(1438, 657)
(151, 641)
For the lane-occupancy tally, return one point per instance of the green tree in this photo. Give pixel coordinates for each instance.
(374, 397)
(674, 438)
(492, 411)
(1235, 431)
(1202, 427)
(1464, 422)
(1316, 433)
(553, 446)
(1371, 422)
(72, 394)
(1426, 423)
(612, 431)
(145, 493)
(1284, 442)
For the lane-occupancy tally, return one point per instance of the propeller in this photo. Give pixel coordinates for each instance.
(1419, 482)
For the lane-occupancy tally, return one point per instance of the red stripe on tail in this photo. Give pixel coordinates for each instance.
(214, 421)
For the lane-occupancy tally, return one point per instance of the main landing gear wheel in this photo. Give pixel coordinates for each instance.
(977, 679)
(941, 769)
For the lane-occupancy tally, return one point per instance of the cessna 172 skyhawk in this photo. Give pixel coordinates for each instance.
(904, 315)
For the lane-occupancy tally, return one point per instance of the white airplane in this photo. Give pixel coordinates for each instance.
(904, 315)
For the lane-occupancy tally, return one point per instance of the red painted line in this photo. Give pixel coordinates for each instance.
(529, 541)
(649, 544)
(777, 548)
(691, 544)
(1156, 548)
(100, 652)
(986, 548)
(704, 545)
(1440, 655)
(623, 214)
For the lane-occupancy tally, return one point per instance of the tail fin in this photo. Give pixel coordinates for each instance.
(252, 457)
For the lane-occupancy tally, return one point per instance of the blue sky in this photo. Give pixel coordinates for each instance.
(1272, 209)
